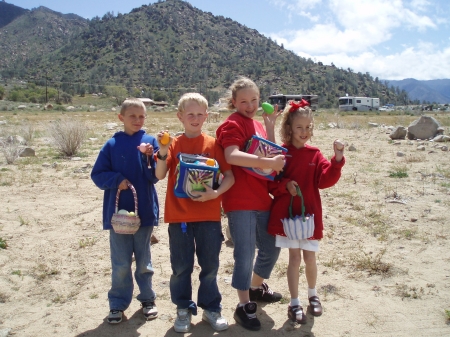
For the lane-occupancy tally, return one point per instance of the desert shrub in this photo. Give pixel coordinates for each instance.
(27, 131)
(11, 149)
(67, 136)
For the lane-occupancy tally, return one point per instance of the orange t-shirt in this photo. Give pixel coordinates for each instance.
(185, 209)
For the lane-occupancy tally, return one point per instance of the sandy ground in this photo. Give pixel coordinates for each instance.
(384, 263)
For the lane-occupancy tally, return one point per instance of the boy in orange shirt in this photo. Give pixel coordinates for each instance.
(194, 223)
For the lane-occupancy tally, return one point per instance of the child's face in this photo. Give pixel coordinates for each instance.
(246, 102)
(300, 131)
(192, 118)
(133, 119)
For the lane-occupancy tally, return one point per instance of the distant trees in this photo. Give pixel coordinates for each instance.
(2, 92)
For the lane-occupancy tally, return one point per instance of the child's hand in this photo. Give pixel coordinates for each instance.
(164, 139)
(270, 119)
(123, 185)
(209, 194)
(277, 163)
(146, 148)
(291, 186)
(338, 147)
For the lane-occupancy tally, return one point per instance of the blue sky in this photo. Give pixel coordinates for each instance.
(390, 39)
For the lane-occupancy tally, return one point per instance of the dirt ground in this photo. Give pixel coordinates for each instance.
(384, 263)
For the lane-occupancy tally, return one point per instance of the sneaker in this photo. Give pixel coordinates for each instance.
(296, 314)
(217, 321)
(246, 316)
(115, 316)
(150, 310)
(183, 321)
(264, 294)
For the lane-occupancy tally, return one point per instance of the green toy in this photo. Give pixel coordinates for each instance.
(267, 107)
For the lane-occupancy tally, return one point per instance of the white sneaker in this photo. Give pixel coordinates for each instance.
(217, 321)
(115, 316)
(149, 309)
(183, 321)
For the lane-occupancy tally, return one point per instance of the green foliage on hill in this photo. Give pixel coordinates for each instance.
(168, 48)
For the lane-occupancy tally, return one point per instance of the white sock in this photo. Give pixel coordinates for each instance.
(295, 301)
(312, 292)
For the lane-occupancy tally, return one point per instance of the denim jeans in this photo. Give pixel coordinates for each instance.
(205, 240)
(249, 229)
(122, 247)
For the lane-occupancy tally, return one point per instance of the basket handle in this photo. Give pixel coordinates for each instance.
(135, 199)
(299, 193)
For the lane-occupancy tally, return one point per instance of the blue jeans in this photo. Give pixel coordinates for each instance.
(249, 229)
(122, 247)
(205, 240)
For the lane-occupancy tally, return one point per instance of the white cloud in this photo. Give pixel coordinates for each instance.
(423, 63)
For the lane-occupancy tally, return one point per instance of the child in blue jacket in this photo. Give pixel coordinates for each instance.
(120, 163)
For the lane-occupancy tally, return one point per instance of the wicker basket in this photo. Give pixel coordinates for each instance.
(126, 224)
(298, 227)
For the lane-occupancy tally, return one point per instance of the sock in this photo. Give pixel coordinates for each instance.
(295, 301)
(242, 304)
(256, 287)
(312, 292)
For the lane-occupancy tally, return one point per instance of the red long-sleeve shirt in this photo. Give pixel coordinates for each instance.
(312, 171)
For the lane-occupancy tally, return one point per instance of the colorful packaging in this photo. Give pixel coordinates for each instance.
(192, 171)
(263, 148)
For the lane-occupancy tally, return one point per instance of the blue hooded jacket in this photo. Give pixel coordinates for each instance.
(120, 159)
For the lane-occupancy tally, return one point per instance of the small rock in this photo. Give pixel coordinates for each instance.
(75, 158)
(154, 239)
(46, 165)
(352, 148)
(444, 148)
(27, 152)
(421, 148)
(373, 125)
(413, 219)
(400, 154)
(21, 107)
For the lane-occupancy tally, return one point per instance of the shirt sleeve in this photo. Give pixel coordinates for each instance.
(231, 133)
(330, 171)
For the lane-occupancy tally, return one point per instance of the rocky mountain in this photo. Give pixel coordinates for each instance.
(9, 12)
(165, 49)
(431, 91)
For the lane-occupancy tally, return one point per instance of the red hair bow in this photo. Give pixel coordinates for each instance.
(294, 105)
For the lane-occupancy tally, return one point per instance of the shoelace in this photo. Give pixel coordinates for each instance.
(115, 312)
(266, 289)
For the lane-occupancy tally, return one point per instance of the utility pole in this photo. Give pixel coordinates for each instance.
(46, 93)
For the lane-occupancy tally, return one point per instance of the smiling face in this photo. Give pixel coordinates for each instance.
(192, 118)
(301, 130)
(133, 119)
(246, 102)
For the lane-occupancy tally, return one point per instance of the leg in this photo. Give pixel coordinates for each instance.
(310, 268)
(121, 292)
(144, 269)
(311, 277)
(267, 251)
(182, 250)
(208, 241)
(265, 261)
(293, 270)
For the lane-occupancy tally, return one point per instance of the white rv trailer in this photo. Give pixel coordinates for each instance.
(352, 103)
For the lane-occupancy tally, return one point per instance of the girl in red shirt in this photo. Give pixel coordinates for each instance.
(307, 169)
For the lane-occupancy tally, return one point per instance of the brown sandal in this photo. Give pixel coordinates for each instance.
(315, 305)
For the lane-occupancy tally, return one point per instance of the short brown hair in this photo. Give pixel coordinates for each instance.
(129, 102)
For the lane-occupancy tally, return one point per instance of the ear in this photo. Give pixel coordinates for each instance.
(120, 117)
(179, 116)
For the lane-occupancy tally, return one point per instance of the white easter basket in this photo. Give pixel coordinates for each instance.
(126, 224)
(298, 227)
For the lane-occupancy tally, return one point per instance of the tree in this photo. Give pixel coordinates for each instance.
(118, 94)
(2, 92)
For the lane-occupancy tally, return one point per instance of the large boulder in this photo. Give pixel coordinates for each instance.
(423, 128)
(398, 133)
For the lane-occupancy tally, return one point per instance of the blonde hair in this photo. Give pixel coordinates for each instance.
(192, 96)
(288, 117)
(240, 83)
(129, 102)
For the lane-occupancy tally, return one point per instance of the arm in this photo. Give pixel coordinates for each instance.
(102, 173)
(227, 182)
(270, 121)
(161, 165)
(330, 172)
(236, 157)
(148, 160)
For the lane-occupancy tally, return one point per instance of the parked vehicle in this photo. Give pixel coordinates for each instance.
(282, 100)
(352, 103)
